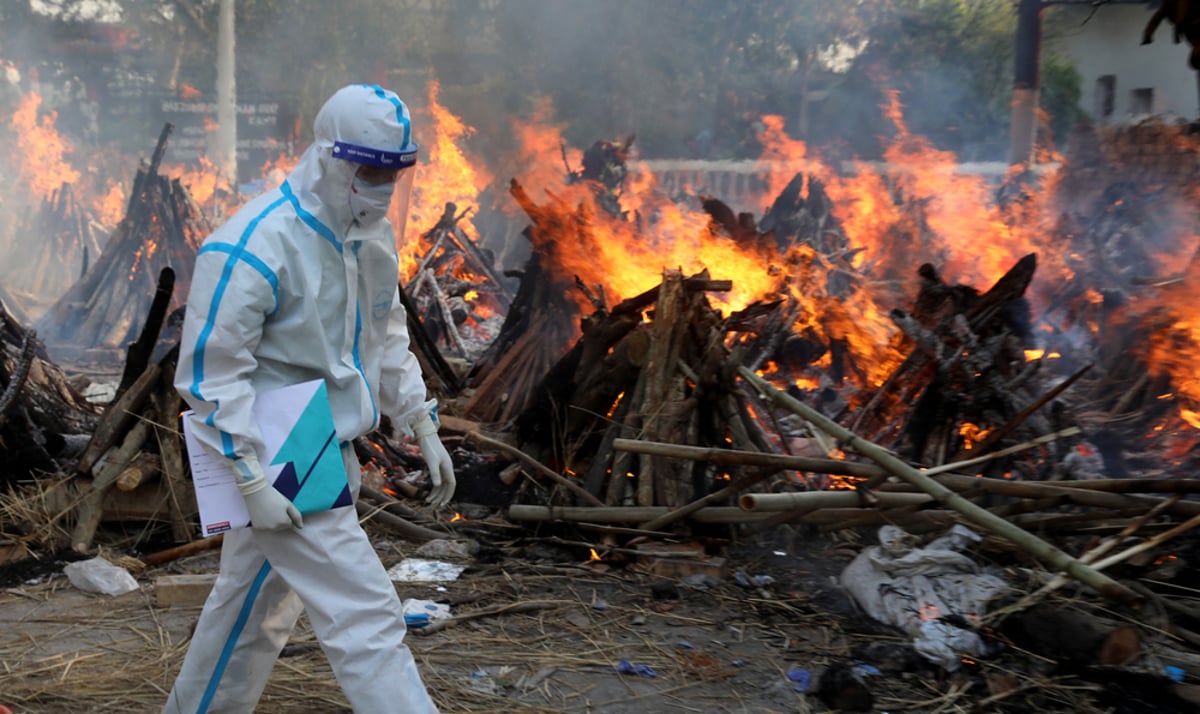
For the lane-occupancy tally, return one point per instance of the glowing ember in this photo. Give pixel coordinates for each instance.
(971, 435)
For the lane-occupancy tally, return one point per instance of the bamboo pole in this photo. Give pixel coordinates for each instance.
(1102, 548)
(1026, 541)
(626, 514)
(714, 455)
(726, 492)
(775, 502)
(1076, 494)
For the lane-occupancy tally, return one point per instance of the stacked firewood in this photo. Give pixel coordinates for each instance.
(453, 281)
(669, 379)
(44, 420)
(162, 228)
(127, 462)
(62, 238)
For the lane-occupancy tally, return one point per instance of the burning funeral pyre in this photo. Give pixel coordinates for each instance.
(904, 346)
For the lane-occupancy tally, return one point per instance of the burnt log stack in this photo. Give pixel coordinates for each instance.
(44, 420)
(66, 239)
(163, 228)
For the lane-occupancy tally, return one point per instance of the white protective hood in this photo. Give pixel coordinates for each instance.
(291, 289)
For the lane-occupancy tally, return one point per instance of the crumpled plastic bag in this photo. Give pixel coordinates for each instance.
(97, 575)
(919, 589)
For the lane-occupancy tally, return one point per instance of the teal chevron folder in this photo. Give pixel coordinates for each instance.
(302, 458)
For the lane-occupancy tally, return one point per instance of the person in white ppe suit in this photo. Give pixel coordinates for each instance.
(301, 284)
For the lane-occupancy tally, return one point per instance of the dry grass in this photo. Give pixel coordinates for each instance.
(726, 649)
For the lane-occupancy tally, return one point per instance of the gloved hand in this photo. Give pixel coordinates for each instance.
(441, 469)
(269, 509)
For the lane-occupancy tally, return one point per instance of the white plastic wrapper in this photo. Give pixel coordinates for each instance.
(100, 576)
(916, 589)
(429, 608)
(422, 570)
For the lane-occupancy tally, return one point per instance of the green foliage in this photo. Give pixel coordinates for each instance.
(1061, 91)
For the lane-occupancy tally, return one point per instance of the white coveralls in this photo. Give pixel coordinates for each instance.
(290, 289)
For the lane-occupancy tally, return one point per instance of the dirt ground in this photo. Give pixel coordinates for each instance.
(713, 646)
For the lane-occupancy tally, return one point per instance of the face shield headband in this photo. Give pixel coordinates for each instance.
(376, 157)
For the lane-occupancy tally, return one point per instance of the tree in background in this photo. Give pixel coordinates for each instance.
(689, 77)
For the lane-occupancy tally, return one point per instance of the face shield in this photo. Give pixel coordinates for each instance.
(369, 126)
(401, 192)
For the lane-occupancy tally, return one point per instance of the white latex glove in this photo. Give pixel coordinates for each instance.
(441, 469)
(269, 509)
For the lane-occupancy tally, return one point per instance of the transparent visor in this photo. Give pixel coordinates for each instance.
(400, 197)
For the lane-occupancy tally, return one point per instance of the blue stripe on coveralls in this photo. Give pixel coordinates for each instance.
(358, 360)
(309, 219)
(253, 260)
(401, 113)
(227, 651)
(236, 254)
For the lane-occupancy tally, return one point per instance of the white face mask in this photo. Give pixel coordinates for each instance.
(369, 203)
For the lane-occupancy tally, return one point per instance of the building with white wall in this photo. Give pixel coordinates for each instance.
(1125, 81)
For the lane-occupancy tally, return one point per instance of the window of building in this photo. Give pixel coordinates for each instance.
(1106, 94)
(1142, 101)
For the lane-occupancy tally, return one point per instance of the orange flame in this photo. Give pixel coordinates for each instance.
(444, 175)
(41, 150)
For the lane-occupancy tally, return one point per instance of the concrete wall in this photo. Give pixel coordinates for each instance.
(1106, 41)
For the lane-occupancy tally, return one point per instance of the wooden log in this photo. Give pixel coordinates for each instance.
(19, 374)
(91, 506)
(469, 248)
(600, 470)
(143, 467)
(536, 465)
(919, 366)
(182, 551)
(116, 419)
(183, 590)
(1069, 635)
(1026, 541)
(396, 524)
(137, 354)
(393, 506)
(662, 389)
(624, 464)
(432, 361)
(993, 437)
(181, 495)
